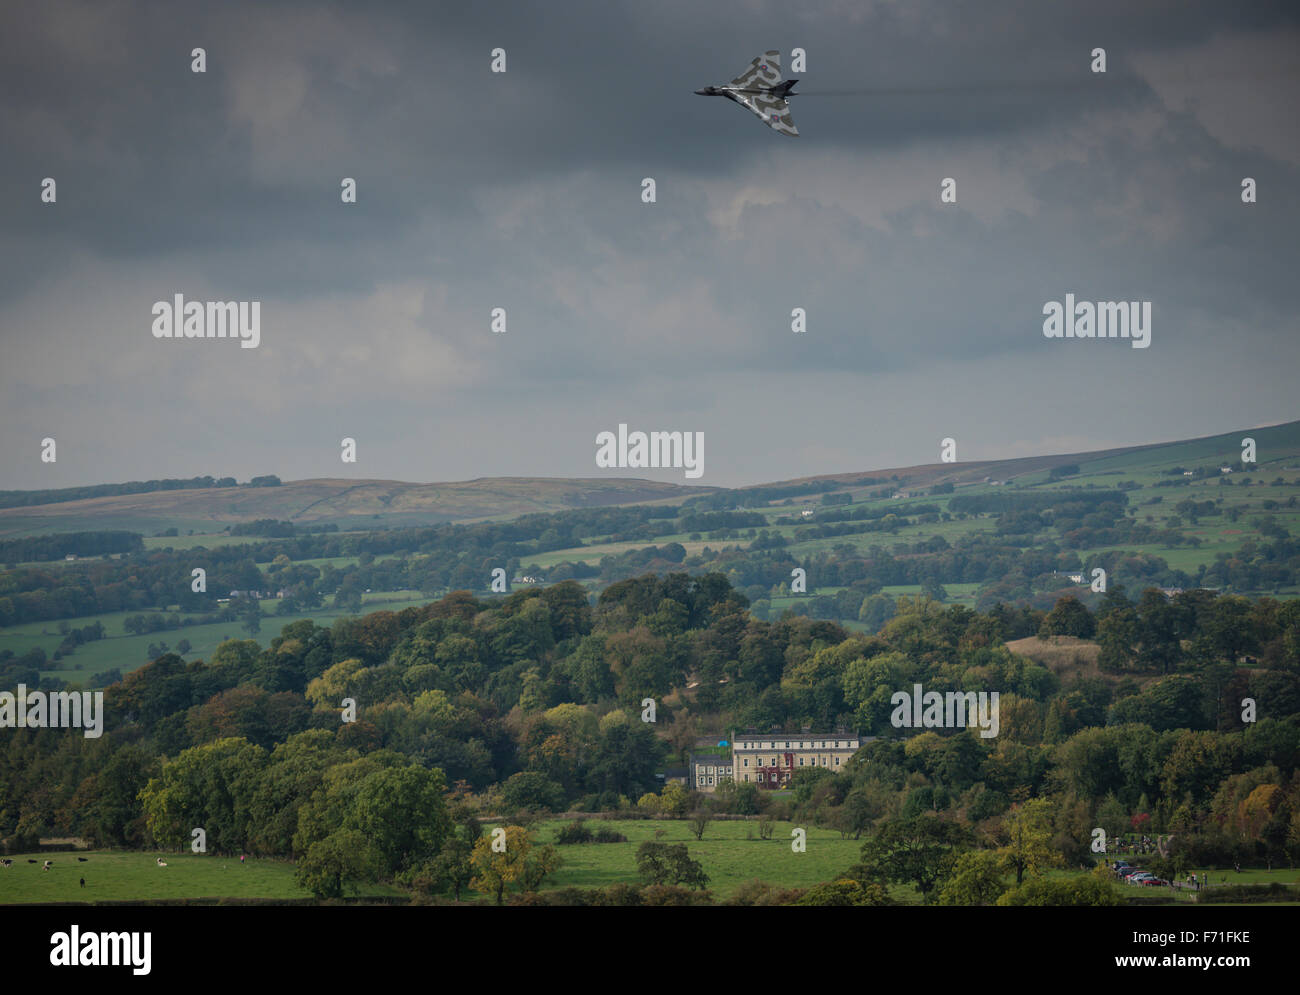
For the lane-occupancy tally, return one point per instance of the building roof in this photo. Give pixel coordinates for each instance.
(794, 736)
(716, 759)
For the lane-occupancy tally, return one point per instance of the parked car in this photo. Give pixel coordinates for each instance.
(1155, 881)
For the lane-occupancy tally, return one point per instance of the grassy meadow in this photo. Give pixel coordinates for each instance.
(728, 855)
(730, 852)
(128, 876)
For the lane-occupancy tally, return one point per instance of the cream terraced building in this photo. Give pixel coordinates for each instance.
(770, 760)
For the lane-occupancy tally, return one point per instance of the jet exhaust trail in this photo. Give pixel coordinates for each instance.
(1033, 86)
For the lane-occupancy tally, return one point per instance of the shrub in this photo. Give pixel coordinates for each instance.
(574, 832)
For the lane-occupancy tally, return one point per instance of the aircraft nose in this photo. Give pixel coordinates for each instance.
(701, 92)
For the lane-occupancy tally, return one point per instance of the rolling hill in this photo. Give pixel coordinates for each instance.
(349, 504)
(370, 504)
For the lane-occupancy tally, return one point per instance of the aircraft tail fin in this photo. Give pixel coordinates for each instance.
(785, 89)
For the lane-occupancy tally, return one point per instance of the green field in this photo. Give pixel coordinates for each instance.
(113, 875)
(218, 540)
(728, 857)
(128, 652)
(957, 594)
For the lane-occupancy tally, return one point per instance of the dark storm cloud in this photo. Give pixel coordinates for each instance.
(522, 190)
(404, 92)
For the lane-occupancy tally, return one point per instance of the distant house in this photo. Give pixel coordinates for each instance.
(807, 513)
(1075, 578)
(709, 770)
(677, 775)
(1225, 469)
(1189, 473)
(71, 556)
(1170, 592)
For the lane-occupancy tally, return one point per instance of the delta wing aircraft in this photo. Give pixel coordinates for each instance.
(761, 90)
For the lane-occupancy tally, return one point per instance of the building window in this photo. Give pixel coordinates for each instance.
(837, 761)
(747, 761)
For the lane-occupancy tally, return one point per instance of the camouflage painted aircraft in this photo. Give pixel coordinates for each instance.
(761, 90)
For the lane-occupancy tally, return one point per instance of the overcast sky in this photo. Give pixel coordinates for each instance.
(522, 190)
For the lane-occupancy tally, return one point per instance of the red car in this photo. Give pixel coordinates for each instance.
(1156, 881)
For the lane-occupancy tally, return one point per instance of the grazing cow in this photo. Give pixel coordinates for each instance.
(48, 865)
(30, 861)
(82, 860)
(6, 863)
(161, 862)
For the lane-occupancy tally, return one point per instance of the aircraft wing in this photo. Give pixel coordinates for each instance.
(764, 71)
(763, 74)
(772, 110)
